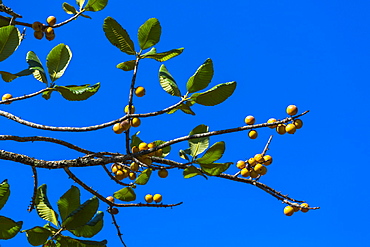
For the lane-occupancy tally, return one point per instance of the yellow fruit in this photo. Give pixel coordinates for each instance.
(281, 129)
(296, 209)
(162, 173)
(292, 110)
(132, 111)
(148, 198)
(304, 210)
(110, 198)
(7, 96)
(134, 149)
(290, 128)
(288, 210)
(240, 164)
(51, 20)
(252, 162)
(38, 34)
(157, 198)
(135, 122)
(249, 120)
(134, 166)
(159, 153)
(116, 167)
(151, 145)
(37, 26)
(132, 175)
(298, 123)
(260, 169)
(145, 159)
(50, 35)
(268, 160)
(245, 172)
(121, 174)
(113, 211)
(143, 146)
(253, 174)
(259, 158)
(272, 120)
(252, 134)
(140, 91)
(117, 128)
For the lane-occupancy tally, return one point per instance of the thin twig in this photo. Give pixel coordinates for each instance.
(117, 227)
(23, 97)
(33, 199)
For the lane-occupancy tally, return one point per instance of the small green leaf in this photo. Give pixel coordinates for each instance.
(47, 94)
(4, 193)
(214, 153)
(185, 107)
(143, 178)
(198, 145)
(58, 60)
(215, 168)
(135, 140)
(69, 9)
(184, 154)
(43, 206)
(75, 93)
(82, 215)
(50, 243)
(201, 78)
(118, 36)
(10, 38)
(127, 66)
(152, 51)
(95, 5)
(91, 228)
(80, 3)
(191, 171)
(38, 235)
(126, 194)
(69, 202)
(64, 241)
(4, 21)
(35, 65)
(9, 228)
(215, 95)
(167, 82)
(8, 77)
(164, 56)
(86, 16)
(149, 33)
(166, 150)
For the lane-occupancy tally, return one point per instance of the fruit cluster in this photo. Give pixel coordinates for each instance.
(41, 29)
(150, 198)
(121, 172)
(290, 210)
(7, 96)
(255, 166)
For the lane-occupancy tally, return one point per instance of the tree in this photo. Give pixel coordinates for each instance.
(138, 160)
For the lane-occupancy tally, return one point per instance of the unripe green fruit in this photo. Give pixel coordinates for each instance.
(37, 26)
(253, 174)
(162, 173)
(134, 166)
(38, 34)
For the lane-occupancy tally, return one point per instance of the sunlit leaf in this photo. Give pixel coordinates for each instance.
(95, 5)
(167, 82)
(80, 3)
(143, 178)
(127, 66)
(126, 194)
(214, 153)
(91, 228)
(69, 202)
(75, 93)
(82, 215)
(58, 60)
(215, 95)
(185, 107)
(198, 145)
(184, 154)
(215, 168)
(43, 206)
(38, 235)
(135, 140)
(35, 65)
(166, 150)
(10, 38)
(201, 78)
(8, 77)
(69, 9)
(149, 33)
(191, 171)
(118, 36)
(4, 193)
(164, 56)
(9, 228)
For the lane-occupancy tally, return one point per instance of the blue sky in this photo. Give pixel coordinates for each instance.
(313, 54)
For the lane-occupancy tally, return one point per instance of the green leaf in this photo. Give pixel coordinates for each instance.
(143, 178)
(166, 150)
(184, 154)
(82, 215)
(167, 82)
(8, 77)
(201, 78)
(214, 153)
(215, 168)
(69, 202)
(35, 65)
(198, 145)
(80, 3)
(65, 241)
(38, 235)
(86, 16)
(95, 5)
(191, 171)
(47, 94)
(118, 36)
(4, 21)
(149, 33)
(75, 93)
(43, 206)
(58, 60)
(91, 228)
(127, 66)
(215, 95)
(69, 9)
(135, 140)
(126, 194)
(185, 107)
(164, 56)
(4, 193)
(9, 228)
(10, 38)
(50, 243)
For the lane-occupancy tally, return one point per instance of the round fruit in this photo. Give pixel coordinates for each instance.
(260, 169)
(125, 125)
(259, 158)
(290, 128)
(50, 38)
(159, 153)
(50, 35)
(245, 172)
(151, 145)
(288, 210)
(296, 209)
(51, 20)
(143, 146)
(249, 120)
(268, 160)
(304, 210)
(252, 134)
(134, 149)
(140, 91)
(132, 175)
(37, 26)
(38, 34)
(110, 198)
(148, 198)
(121, 174)
(7, 96)
(271, 120)
(134, 166)
(298, 123)
(135, 122)
(115, 168)
(252, 161)
(117, 128)
(253, 174)
(157, 198)
(281, 129)
(113, 211)
(240, 164)
(292, 110)
(162, 173)
(132, 109)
